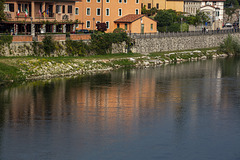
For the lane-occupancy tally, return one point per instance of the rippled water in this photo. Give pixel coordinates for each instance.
(188, 111)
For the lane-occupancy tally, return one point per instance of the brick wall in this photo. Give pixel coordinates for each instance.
(80, 36)
(22, 38)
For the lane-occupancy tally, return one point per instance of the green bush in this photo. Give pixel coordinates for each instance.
(230, 46)
(76, 48)
(49, 45)
(102, 43)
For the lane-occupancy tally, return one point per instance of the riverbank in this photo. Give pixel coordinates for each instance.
(13, 69)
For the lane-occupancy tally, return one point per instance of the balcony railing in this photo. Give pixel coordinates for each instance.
(47, 16)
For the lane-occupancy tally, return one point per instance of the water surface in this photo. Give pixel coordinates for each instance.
(184, 112)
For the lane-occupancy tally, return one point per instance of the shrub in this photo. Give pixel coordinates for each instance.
(230, 46)
(76, 48)
(49, 45)
(102, 43)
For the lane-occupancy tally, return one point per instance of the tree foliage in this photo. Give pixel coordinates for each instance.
(102, 43)
(199, 18)
(102, 27)
(149, 12)
(2, 14)
(230, 46)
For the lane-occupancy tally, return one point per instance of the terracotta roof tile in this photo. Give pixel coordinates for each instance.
(129, 18)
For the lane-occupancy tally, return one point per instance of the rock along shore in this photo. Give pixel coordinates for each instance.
(36, 69)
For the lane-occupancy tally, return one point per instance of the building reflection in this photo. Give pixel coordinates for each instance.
(125, 97)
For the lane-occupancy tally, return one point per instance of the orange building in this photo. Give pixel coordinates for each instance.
(133, 23)
(108, 11)
(39, 16)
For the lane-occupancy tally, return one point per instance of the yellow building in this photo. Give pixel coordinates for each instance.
(176, 5)
(96, 11)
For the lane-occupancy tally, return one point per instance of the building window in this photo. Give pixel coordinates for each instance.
(8, 7)
(125, 26)
(63, 9)
(76, 11)
(217, 13)
(141, 5)
(119, 12)
(214, 3)
(58, 9)
(118, 25)
(151, 27)
(98, 1)
(70, 9)
(120, 1)
(88, 1)
(88, 11)
(107, 23)
(107, 12)
(98, 11)
(88, 24)
(125, 1)
(149, 5)
(137, 1)
(137, 11)
(157, 6)
(107, 1)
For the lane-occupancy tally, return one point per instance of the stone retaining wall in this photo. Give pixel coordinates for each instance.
(149, 45)
(143, 45)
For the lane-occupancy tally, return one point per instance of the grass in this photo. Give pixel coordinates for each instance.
(9, 73)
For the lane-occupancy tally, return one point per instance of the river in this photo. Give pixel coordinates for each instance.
(174, 112)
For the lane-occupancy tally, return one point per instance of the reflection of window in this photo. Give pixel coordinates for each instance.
(119, 12)
(69, 9)
(107, 12)
(107, 23)
(58, 9)
(88, 24)
(76, 11)
(98, 11)
(137, 11)
(88, 11)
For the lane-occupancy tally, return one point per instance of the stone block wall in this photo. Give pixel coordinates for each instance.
(141, 45)
(149, 45)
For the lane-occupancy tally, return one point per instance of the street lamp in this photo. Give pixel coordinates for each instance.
(93, 24)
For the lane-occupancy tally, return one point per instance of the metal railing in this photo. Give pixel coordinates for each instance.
(182, 34)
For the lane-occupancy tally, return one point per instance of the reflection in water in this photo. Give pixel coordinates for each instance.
(132, 114)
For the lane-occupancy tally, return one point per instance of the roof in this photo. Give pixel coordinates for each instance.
(129, 18)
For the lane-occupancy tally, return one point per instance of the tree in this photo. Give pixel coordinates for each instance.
(2, 14)
(101, 27)
(199, 18)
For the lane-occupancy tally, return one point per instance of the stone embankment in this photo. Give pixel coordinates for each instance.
(49, 68)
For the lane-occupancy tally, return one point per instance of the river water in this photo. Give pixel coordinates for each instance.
(188, 111)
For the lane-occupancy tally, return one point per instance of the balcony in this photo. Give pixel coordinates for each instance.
(46, 16)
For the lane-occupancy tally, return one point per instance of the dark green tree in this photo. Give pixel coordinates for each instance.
(2, 14)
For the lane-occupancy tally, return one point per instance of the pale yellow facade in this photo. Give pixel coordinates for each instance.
(94, 11)
(164, 4)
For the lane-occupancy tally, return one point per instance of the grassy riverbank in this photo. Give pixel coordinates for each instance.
(32, 68)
